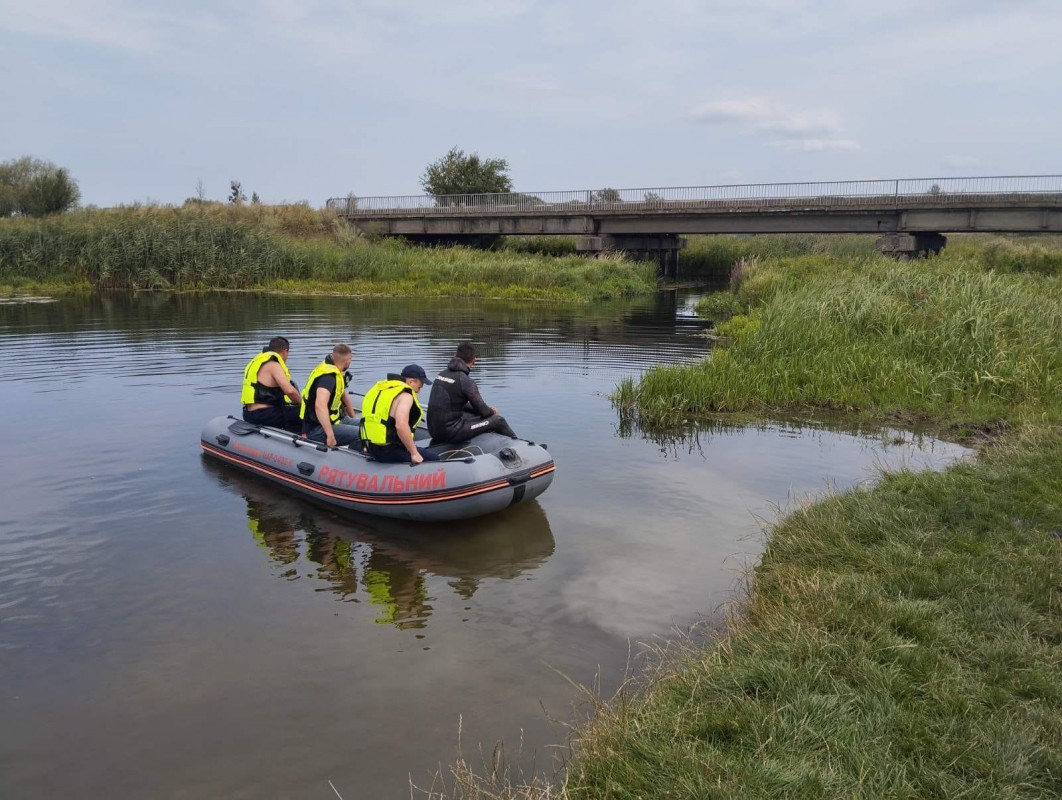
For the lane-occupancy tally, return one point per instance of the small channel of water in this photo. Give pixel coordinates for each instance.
(172, 628)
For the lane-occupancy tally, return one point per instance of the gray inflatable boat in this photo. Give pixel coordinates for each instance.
(485, 474)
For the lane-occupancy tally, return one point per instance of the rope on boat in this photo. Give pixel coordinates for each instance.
(448, 455)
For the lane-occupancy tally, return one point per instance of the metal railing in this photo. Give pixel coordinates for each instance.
(897, 191)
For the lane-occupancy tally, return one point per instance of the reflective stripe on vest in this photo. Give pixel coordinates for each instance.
(377, 427)
(335, 402)
(249, 394)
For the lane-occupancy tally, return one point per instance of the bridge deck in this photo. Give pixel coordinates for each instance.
(1007, 203)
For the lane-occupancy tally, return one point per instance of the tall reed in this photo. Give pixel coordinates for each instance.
(205, 246)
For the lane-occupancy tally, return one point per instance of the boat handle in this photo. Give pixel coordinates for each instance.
(519, 477)
(305, 468)
(223, 440)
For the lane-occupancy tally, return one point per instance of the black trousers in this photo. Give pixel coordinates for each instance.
(285, 416)
(472, 425)
(397, 454)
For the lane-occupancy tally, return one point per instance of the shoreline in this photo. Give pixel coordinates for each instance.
(901, 639)
(57, 291)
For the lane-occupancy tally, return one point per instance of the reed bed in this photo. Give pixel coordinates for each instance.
(292, 248)
(714, 256)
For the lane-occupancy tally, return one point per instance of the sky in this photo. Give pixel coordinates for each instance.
(304, 100)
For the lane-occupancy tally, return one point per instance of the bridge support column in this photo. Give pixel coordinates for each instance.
(664, 250)
(911, 245)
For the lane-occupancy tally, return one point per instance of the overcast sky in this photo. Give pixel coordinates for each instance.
(302, 100)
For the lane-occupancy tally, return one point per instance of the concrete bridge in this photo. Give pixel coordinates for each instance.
(910, 215)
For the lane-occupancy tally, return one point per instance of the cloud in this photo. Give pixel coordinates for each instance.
(780, 125)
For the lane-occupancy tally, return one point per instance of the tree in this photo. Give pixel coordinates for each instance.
(200, 190)
(236, 196)
(255, 198)
(36, 188)
(653, 197)
(457, 173)
(606, 195)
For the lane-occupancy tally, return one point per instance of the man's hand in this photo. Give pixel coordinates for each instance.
(416, 458)
(330, 440)
(493, 410)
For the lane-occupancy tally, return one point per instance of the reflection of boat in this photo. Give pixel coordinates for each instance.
(486, 474)
(385, 562)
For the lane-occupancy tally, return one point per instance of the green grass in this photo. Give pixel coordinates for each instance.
(946, 341)
(290, 248)
(902, 640)
(714, 256)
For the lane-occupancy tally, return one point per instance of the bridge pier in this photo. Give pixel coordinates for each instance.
(910, 245)
(664, 250)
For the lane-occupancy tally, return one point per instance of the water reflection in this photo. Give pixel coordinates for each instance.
(382, 562)
(139, 586)
(693, 437)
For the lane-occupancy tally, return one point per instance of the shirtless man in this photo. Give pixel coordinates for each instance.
(268, 395)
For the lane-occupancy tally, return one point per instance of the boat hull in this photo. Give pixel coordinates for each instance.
(483, 476)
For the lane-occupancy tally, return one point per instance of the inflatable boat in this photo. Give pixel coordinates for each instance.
(485, 474)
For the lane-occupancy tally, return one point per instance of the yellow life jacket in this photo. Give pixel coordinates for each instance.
(253, 392)
(377, 425)
(335, 401)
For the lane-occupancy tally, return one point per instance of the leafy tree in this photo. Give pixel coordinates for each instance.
(457, 173)
(653, 197)
(606, 195)
(8, 195)
(236, 195)
(36, 188)
(255, 198)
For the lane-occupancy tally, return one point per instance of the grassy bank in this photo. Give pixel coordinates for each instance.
(283, 248)
(897, 640)
(946, 341)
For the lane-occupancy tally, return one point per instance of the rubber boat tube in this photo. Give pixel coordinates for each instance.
(485, 474)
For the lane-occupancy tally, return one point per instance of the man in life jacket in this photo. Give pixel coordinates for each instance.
(456, 410)
(268, 395)
(325, 401)
(390, 413)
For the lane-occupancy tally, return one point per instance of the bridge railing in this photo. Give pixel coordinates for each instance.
(898, 191)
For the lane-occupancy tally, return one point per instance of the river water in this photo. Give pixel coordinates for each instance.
(171, 628)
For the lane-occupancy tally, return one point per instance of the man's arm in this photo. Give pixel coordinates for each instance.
(320, 408)
(400, 411)
(274, 370)
(474, 398)
(348, 405)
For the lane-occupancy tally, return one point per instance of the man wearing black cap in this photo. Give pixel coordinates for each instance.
(390, 413)
(456, 409)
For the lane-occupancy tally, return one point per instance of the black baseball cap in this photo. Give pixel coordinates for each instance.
(416, 371)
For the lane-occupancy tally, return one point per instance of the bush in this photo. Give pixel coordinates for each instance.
(36, 188)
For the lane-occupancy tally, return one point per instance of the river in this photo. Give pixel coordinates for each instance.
(172, 628)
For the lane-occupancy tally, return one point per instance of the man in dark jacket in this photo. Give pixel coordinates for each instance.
(456, 410)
